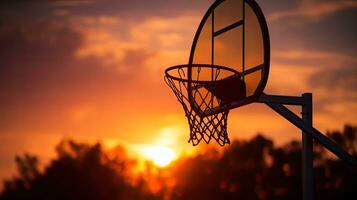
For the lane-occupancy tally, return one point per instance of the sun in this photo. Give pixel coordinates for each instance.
(161, 156)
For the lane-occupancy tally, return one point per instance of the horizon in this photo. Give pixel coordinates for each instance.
(247, 169)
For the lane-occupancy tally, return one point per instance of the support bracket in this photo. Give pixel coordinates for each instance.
(276, 103)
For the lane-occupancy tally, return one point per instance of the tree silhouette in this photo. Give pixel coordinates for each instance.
(254, 169)
(80, 172)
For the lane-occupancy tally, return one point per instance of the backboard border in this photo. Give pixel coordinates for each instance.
(266, 42)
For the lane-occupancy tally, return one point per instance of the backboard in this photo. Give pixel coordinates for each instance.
(228, 67)
(233, 34)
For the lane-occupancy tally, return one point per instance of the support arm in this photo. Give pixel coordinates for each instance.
(321, 138)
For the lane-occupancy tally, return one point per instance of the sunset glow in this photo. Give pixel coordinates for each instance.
(161, 156)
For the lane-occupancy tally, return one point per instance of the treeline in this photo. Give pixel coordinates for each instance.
(254, 170)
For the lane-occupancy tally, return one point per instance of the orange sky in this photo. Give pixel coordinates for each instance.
(93, 71)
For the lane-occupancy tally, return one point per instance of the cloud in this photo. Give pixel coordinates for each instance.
(314, 58)
(318, 70)
(109, 50)
(100, 21)
(330, 33)
(160, 41)
(169, 38)
(70, 3)
(160, 32)
(343, 78)
(313, 10)
(315, 55)
(41, 79)
(58, 75)
(330, 76)
(42, 6)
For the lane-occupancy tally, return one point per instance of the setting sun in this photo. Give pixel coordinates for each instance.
(161, 156)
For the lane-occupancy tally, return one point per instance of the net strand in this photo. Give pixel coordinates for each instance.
(203, 128)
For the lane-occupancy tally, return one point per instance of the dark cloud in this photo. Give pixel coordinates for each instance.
(270, 7)
(134, 8)
(40, 76)
(312, 25)
(335, 94)
(336, 32)
(134, 60)
(24, 10)
(336, 79)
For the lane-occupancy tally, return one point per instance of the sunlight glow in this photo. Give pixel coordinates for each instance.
(167, 136)
(161, 156)
(110, 143)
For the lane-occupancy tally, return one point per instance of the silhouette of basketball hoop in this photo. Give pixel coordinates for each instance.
(228, 68)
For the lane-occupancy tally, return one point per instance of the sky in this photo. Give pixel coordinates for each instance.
(92, 70)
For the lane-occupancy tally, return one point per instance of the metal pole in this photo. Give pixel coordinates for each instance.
(308, 133)
(307, 151)
(317, 135)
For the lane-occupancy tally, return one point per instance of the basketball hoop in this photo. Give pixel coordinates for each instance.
(228, 67)
(206, 95)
